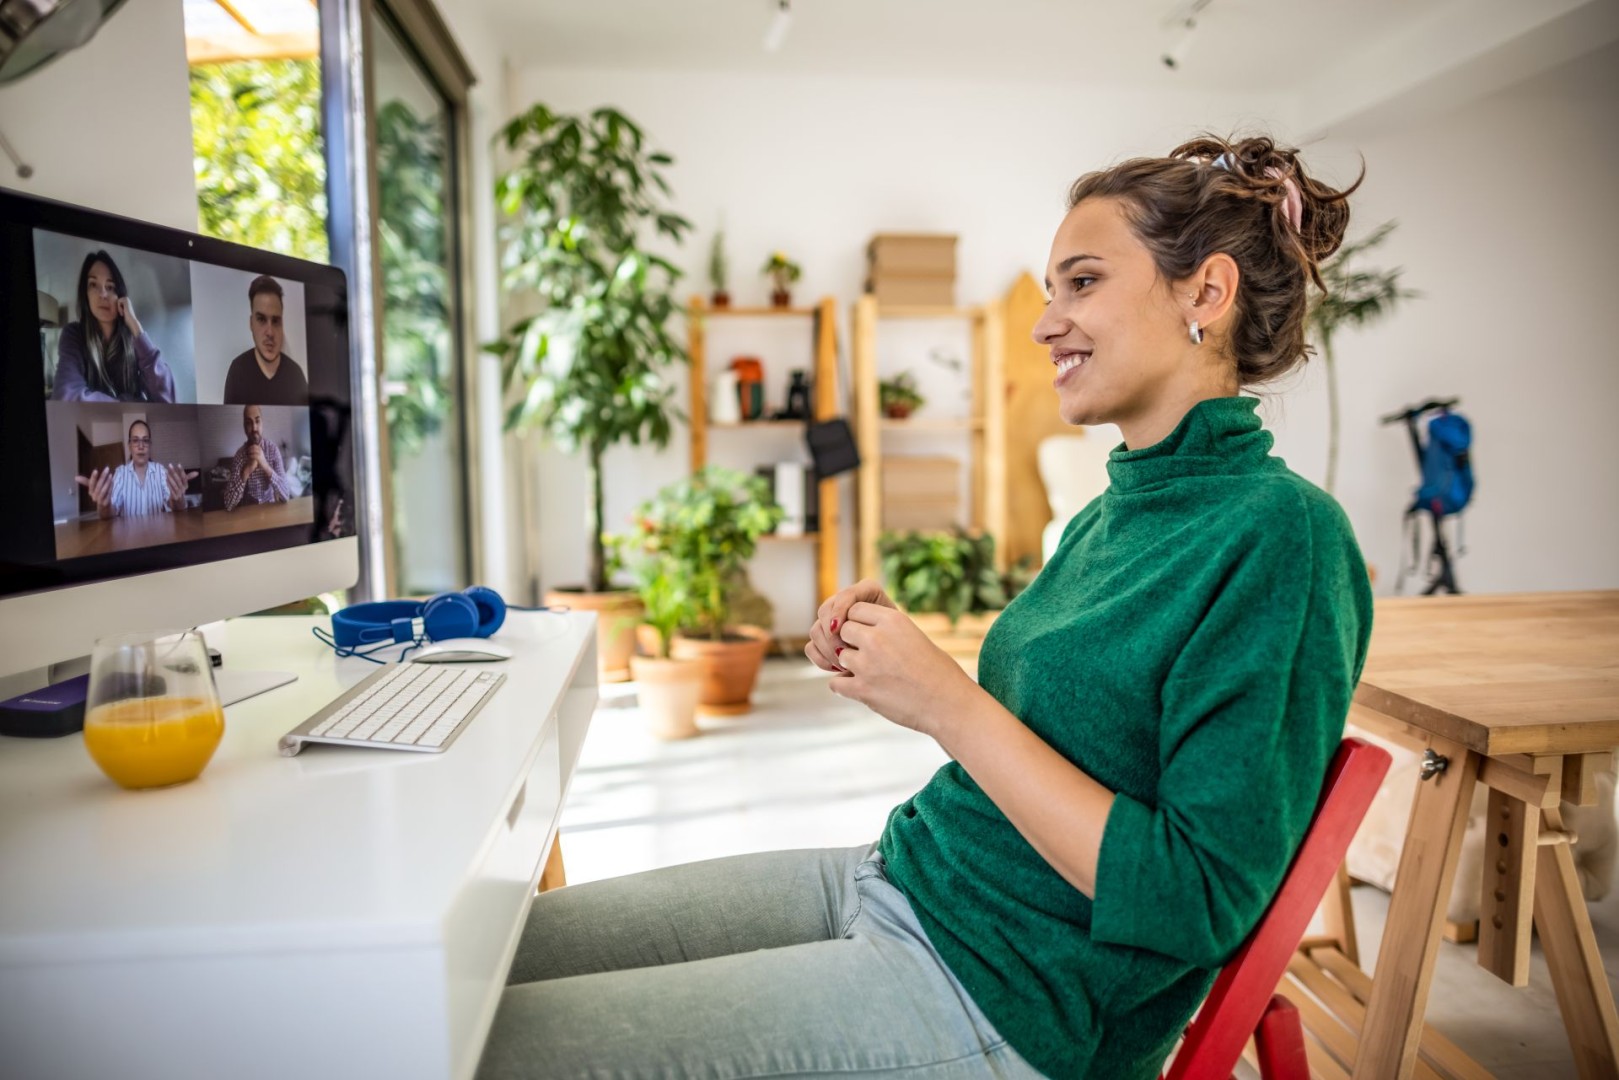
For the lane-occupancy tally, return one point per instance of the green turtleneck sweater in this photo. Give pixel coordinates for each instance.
(1192, 646)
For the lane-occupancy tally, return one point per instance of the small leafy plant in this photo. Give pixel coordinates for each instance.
(781, 271)
(898, 397)
(690, 543)
(947, 572)
(719, 267)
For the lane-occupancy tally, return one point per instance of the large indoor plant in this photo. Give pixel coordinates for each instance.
(1352, 298)
(705, 529)
(587, 369)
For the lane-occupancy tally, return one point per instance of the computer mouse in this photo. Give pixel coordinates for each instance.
(460, 650)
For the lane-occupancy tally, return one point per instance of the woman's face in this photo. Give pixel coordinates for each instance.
(1118, 339)
(102, 290)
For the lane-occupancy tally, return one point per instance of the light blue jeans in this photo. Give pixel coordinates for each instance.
(801, 963)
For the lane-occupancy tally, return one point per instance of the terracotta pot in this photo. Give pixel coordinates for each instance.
(730, 667)
(646, 640)
(617, 614)
(667, 691)
(720, 300)
(781, 298)
(897, 410)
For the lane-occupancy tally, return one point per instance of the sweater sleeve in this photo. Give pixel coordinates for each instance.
(1251, 712)
(156, 378)
(69, 383)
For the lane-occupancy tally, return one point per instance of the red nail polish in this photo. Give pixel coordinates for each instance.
(834, 626)
(838, 651)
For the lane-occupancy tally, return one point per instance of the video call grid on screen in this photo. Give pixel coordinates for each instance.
(185, 416)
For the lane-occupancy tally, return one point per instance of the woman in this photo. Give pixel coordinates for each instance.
(1132, 773)
(105, 355)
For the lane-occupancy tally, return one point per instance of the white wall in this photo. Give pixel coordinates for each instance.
(1508, 228)
(815, 166)
(109, 125)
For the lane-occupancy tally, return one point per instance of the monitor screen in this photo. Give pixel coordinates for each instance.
(166, 399)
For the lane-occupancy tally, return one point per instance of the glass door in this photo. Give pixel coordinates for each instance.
(421, 357)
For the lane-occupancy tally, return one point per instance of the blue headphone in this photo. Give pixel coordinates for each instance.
(473, 612)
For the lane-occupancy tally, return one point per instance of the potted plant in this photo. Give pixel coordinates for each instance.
(705, 529)
(947, 581)
(1351, 298)
(667, 689)
(782, 272)
(588, 368)
(898, 397)
(718, 271)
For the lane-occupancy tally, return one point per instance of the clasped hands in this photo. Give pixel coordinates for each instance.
(884, 661)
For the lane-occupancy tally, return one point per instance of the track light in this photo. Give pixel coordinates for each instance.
(780, 23)
(1175, 55)
(1183, 20)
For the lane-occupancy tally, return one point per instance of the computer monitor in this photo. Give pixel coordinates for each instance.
(175, 430)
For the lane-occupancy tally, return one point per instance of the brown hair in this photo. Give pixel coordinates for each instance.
(1211, 195)
(264, 283)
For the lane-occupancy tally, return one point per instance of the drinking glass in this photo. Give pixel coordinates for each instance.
(153, 716)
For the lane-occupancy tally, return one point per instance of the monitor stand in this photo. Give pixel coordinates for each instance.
(239, 684)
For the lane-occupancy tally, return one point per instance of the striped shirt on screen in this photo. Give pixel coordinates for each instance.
(131, 497)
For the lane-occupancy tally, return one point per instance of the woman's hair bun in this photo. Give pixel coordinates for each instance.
(1265, 168)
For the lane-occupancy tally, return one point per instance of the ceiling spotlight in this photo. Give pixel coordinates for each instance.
(1183, 20)
(780, 23)
(1175, 55)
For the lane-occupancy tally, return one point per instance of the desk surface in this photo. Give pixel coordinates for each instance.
(270, 885)
(1528, 673)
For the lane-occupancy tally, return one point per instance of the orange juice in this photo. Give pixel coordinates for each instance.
(153, 741)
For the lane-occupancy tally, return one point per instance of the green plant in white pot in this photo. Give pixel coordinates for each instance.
(668, 688)
(588, 369)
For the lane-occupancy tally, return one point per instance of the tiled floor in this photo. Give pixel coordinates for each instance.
(809, 769)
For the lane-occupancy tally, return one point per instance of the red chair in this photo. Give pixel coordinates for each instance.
(1244, 1001)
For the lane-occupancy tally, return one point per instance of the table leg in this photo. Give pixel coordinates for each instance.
(1507, 891)
(1583, 994)
(1338, 915)
(1405, 959)
(555, 875)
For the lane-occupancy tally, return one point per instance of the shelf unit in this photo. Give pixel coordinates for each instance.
(985, 427)
(824, 397)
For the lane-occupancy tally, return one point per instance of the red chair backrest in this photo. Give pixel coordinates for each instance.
(1232, 1010)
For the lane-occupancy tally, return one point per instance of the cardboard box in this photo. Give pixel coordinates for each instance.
(912, 255)
(910, 476)
(914, 291)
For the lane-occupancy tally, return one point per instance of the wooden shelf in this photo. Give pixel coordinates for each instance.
(822, 324)
(752, 312)
(984, 425)
(934, 423)
(927, 311)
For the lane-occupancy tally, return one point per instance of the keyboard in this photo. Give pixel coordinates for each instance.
(420, 707)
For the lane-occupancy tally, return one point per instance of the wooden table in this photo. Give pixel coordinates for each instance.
(95, 536)
(1521, 693)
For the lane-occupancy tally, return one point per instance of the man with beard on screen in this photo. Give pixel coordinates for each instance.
(257, 472)
(265, 374)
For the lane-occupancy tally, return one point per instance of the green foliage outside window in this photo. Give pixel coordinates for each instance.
(260, 163)
(416, 315)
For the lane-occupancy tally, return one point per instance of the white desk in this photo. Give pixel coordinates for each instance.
(344, 913)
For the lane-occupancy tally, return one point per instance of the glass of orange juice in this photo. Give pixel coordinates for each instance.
(153, 716)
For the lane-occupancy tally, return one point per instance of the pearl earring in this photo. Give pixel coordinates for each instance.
(1195, 332)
